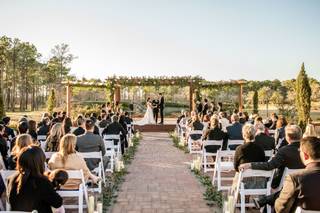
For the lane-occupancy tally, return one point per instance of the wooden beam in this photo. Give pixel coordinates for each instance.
(117, 95)
(191, 97)
(69, 97)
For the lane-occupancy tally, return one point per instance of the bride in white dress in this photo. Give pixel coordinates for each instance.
(148, 116)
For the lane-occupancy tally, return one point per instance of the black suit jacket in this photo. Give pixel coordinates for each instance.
(205, 109)
(264, 141)
(215, 134)
(156, 104)
(287, 156)
(114, 129)
(300, 189)
(161, 104)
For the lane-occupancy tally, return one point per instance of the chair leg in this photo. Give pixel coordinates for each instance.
(80, 205)
(204, 162)
(242, 203)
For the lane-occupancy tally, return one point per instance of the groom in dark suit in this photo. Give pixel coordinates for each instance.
(155, 104)
(161, 107)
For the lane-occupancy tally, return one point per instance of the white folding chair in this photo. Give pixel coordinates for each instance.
(100, 131)
(6, 174)
(223, 164)
(260, 191)
(272, 132)
(99, 170)
(234, 143)
(286, 172)
(129, 130)
(42, 140)
(205, 154)
(268, 153)
(117, 148)
(79, 193)
(193, 148)
(300, 210)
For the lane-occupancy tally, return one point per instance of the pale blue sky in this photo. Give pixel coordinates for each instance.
(218, 40)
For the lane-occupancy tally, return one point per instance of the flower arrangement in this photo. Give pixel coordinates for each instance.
(196, 164)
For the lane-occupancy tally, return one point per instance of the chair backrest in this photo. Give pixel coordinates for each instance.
(268, 153)
(49, 154)
(285, 173)
(5, 174)
(91, 155)
(41, 138)
(111, 137)
(235, 142)
(300, 210)
(225, 154)
(196, 132)
(213, 142)
(256, 173)
(272, 131)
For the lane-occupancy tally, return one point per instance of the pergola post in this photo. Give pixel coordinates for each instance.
(69, 97)
(117, 95)
(240, 97)
(191, 98)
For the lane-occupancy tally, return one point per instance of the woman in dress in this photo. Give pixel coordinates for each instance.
(148, 116)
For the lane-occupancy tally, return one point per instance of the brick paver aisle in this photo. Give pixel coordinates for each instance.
(159, 180)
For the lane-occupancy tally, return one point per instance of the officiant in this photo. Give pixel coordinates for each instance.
(155, 104)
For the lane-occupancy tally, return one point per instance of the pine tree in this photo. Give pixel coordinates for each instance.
(303, 98)
(51, 103)
(255, 102)
(2, 111)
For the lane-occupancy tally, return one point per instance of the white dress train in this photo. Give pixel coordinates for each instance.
(148, 116)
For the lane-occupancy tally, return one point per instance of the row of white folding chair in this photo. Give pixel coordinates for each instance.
(207, 164)
(99, 170)
(234, 143)
(243, 192)
(224, 163)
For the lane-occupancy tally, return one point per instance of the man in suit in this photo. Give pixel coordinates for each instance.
(81, 127)
(161, 107)
(302, 188)
(115, 128)
(90, 142)
(155, 104)
(205, 107)
(199, 108)
(287, 156)
(234, 131)
(8, 132)
(264, 141)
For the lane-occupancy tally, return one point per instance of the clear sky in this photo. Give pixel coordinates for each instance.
(218, 40)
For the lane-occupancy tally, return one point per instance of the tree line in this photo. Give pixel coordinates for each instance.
(26, 78)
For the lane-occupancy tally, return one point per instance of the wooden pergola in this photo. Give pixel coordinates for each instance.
(114, 85)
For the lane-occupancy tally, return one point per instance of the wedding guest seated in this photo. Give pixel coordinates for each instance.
(280, 133)
(264, 141)
(124, 125)
(44, 128)
(22, 129)
(80, 129)
(274, 119)
(95, 128)
(104, 122)
(259, 120)
(57, 177)
(196, 125)
(302, 188)
(287, 156)
(23, 140)
(32, 129)
(214, 133)
(3, 146)
(30, 189)
(249, 152)
(115, 128)
(67, 158)
(223, 121)
(66, 125)
(9, 133)
(90, 142)
(180, 116)
(234, 131)
(52, 142)
(184, 121)
(128, 120)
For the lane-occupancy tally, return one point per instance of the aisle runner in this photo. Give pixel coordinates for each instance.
(159, 180)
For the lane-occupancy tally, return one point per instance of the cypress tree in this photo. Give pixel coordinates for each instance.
(51, 103)
(255, 102)
(303, 98)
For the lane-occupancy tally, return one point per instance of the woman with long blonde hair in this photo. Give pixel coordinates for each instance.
(22, 141)
(52, 142)
(67, 158)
